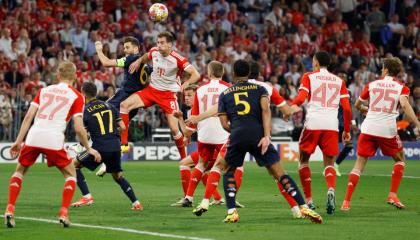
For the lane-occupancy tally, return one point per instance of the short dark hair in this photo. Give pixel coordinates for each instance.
(89, 89)
(134, 41)
(241, 68)
(191, 87)
(169, 37)
(216, 69)
(254, 71)
(323, 58)
(394, 65)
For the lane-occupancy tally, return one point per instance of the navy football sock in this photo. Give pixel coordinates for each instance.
(229, 185)
(292, 189)
(81, 182)
(343, 154)
(127, 189)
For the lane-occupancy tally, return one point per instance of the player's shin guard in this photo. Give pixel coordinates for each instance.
(216, 194)
(15, 184)
(127, 189)
(330, 176)
(352, 183)
(292, 189)
(239, 172)
(305, 180)
(185, 177)
(179, 142)
(229, 186)
(196, 176)
(126, 120)
(68, 192)
(397, 175)
(212, 183)
(81, 182)
(344, 153)
(292, 203)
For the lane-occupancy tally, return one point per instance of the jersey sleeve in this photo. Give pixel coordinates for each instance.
(115, 113)
(276, 99)
(305, 83)
(364, 96)
(77, 107)
(150, 54)
(344, 93)
(221, 110)
(405, 91)
(262, 92)
(35, 101)
(182, 62)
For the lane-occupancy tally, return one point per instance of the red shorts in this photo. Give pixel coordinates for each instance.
(368, 144)
(209, 152)
(327, 140)
(58, 158)
(166, 100)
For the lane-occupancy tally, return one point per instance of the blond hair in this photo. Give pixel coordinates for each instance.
(216, 69)
(66, 70)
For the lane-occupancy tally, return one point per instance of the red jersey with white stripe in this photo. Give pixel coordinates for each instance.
(324, 93)
(210, 130)
(56, 104)
(167, 70)
(383, 96)
(273, 94)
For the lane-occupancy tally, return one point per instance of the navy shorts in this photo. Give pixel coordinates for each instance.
(235, 154)
(112, 161)
(118, 98)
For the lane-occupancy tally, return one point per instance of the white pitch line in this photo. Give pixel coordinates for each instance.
(115, 229)
(372, 175)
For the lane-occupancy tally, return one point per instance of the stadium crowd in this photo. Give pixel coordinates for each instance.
(280, 35)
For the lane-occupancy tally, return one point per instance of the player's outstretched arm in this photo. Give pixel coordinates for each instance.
(194, 76)
(30, 115)
(104, 59)
(408, 110)
(362, 108)
(134, 66)
(225, 122)
(345, 104)
(82, 134)
(266, 118)
(198, 118)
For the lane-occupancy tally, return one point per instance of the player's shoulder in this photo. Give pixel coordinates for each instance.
(153, 49)
(221, 82)
(177, 55)
(75, 92)
(309, 74)
(132, 57)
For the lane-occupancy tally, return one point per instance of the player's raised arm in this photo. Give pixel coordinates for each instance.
(104, 59)
(198, 118)
(304, 90)
(30, 115)
(194, 76)
(345, 104)
(405, 105)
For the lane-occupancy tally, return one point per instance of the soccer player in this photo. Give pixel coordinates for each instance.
(211, 135)
(214, 177)
(51, 109)
(102, 122)
(132, 83)
(244, 111)
(379, 129)
(325, 91)
(168, 64)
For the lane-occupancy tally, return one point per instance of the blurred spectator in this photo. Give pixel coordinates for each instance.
(5, 117)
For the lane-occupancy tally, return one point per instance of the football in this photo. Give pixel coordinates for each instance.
(158, 12)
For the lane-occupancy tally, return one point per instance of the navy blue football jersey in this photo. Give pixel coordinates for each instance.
(101, 120)
(241, 104)
(136, 81)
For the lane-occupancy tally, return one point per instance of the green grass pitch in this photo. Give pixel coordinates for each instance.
(266, 215)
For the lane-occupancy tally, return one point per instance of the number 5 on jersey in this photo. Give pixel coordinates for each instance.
(244, 103)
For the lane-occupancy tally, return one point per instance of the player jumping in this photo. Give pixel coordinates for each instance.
(325, 92)
(51, 109)
(379, 129)
(102, 122)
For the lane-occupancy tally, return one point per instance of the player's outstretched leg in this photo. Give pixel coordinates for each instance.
(343, 154)
(217, 198)
(86, 198)
(305, 180)
(15, 184)
(177, 135)
(128, 190)
(229, 185)
(69, 173)
(196, 176)
(354, 177)
(397, 174)
(330, 178)
(294, 207)
(239, 172)
(211, 186)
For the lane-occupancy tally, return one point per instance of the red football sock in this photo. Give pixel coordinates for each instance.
(195, 179)
(179, 142)
(68, 192)
(305, 180)
(290, 200)
(185, 172)
(397, 175)
(15, 184)
(124, 135)
(352, 183)
(239, 172)
(330, 176)
(212, 183)
(216, 194)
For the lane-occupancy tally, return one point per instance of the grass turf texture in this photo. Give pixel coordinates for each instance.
(266, 216)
